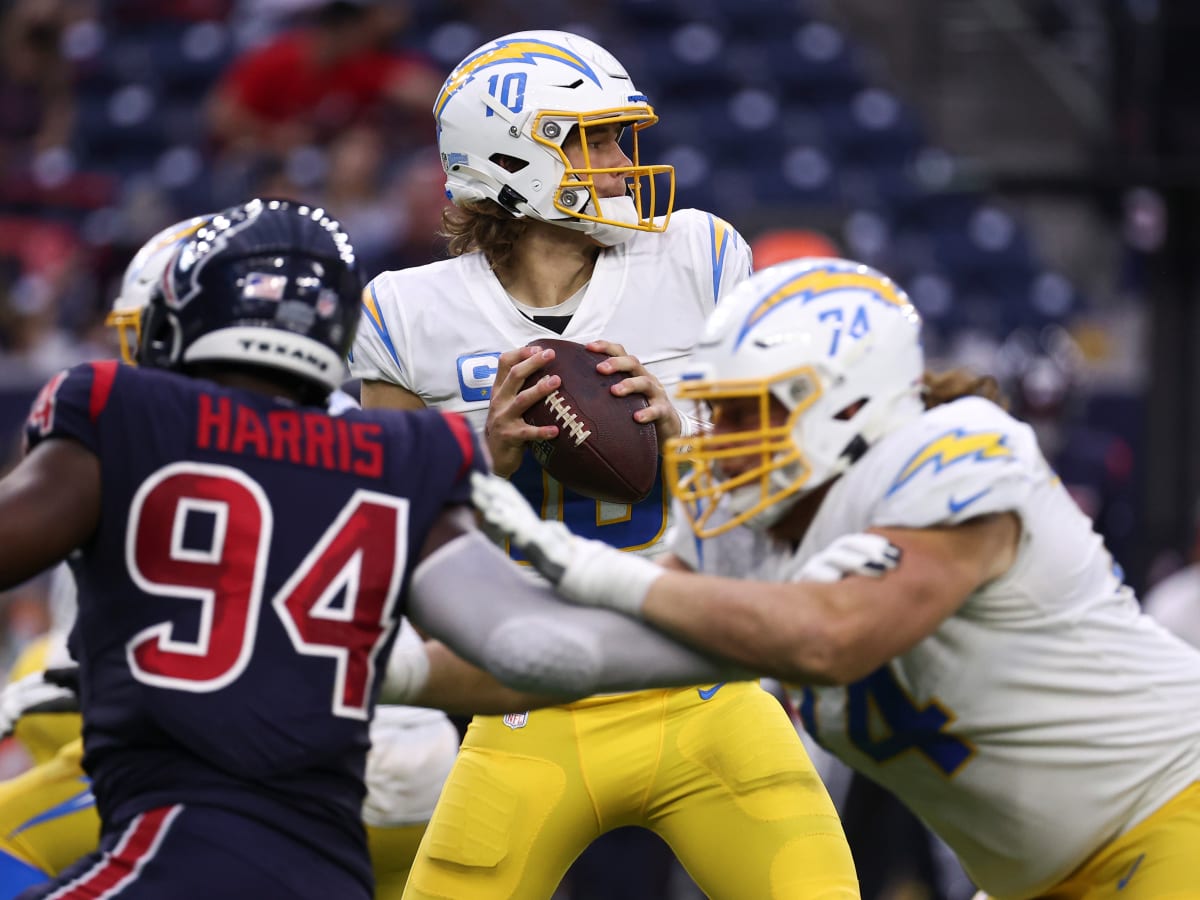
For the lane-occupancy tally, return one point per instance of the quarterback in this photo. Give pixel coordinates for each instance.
(556, 233)
(997, 675)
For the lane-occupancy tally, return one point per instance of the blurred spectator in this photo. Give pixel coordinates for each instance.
(782, 244)
(334, 70)
(36, 98)
(41, 301)
(1044, 377)
(420, 190)
(1175, 601)
(136, 12)
(356, 192)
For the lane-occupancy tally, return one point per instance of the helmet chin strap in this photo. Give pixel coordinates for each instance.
(617, 209)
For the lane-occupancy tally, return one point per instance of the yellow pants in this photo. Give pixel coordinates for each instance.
(48, 820)
(724, 781)
(392, 852)
(1157, 859)
(47, 815)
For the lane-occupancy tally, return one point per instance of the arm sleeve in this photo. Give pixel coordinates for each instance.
(469, 595)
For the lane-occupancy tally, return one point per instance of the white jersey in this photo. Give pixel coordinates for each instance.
(1047, 715)
(438, 331)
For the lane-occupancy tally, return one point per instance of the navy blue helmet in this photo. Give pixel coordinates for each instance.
(271, 283)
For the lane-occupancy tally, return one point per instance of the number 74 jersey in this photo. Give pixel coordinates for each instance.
(1043, 718)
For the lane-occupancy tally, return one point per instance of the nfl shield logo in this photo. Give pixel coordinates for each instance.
(327, 303)
(264, 286)
(516, 720)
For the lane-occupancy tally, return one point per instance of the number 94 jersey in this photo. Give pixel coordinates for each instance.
(1047, 715)
(240, 596)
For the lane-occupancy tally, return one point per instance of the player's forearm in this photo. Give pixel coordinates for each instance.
(471, 596)
(457, 686)
(49, 505)
(771, 629)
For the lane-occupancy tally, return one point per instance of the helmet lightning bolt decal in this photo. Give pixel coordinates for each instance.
(525, 51)
(813, 283)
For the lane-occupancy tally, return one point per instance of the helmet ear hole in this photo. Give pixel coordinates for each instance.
(848, 412)
(159, 346)
(508, 163)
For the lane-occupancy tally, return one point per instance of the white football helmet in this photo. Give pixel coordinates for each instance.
(838, 345)
(517, 98)
(143, 276)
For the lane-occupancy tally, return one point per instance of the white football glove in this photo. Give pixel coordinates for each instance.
(33, 694)
(852, 554)
(407, 670)
(585, 572)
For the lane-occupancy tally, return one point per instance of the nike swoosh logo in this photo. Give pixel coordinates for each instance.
(1128, 875)
(957, 506)
(708, 693)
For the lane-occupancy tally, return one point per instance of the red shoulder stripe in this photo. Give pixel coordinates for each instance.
(462, 433)
(103, 375)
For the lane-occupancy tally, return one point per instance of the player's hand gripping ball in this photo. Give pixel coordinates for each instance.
(601, 451)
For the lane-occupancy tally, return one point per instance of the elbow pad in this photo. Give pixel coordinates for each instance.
(476, 600)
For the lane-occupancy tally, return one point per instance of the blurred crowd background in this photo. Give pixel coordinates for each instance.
(1028, 169)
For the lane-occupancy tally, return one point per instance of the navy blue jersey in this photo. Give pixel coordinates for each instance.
(240, 596)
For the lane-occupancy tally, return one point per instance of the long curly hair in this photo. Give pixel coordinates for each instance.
(486, 226)
(942, 387)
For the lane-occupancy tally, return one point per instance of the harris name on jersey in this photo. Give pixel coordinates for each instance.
(301, 436)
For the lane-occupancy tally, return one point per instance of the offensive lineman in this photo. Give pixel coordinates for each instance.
(1000, 679)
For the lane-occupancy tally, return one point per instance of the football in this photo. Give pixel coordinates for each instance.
(601, 451)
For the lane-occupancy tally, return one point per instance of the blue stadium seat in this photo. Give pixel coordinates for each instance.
(677, 66)
(813, 62)
(762, 18)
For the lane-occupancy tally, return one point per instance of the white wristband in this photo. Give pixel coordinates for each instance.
(599, 575)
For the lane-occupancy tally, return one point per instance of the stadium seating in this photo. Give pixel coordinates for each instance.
(768, 112)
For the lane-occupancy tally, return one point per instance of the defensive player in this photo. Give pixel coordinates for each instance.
(555, 233)
(243, 559)
(412, 749)
(48, 818)
(1000, 679)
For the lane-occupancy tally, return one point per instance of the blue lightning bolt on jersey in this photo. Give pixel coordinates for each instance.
(1047, 714)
